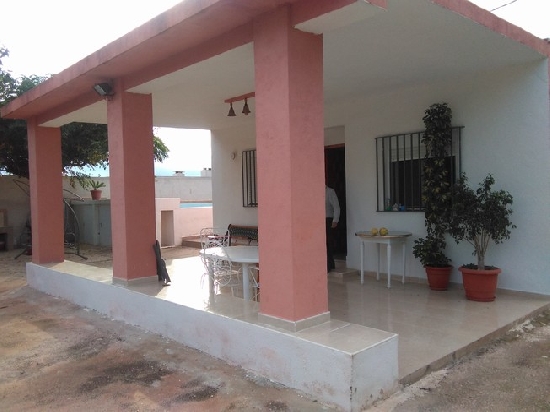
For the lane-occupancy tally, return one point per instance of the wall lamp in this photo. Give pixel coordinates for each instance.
(246, 110)
(104, 89)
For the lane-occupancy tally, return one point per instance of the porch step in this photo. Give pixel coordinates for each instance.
(341, 272)
(191, 241)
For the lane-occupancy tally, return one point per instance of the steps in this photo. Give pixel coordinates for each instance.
(191, 241)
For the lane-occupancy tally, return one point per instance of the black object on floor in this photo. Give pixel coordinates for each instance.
(162, 273)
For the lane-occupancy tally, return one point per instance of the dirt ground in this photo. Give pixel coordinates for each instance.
(57, 356)
(510, 375)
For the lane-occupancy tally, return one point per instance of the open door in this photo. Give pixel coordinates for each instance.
(335, 176)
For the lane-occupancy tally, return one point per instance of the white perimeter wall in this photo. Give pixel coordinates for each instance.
(187, 222)
(506, 119)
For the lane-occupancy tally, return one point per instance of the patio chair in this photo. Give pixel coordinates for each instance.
(254, 281)
(212, 237)
(222, 271)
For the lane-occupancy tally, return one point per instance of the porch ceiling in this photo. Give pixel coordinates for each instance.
(412, 42)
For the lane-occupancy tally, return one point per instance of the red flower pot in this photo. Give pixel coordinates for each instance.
(438, 278)
(96, 194)
(480, 285)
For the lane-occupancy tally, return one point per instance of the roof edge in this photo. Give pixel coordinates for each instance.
(497, 24)
(153, 27)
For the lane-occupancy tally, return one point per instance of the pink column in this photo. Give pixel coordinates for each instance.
(289, 136)
(132, 179)
(46, 188)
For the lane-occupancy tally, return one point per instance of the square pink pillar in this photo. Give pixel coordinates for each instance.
(291, 191)
(132, 178)
(46, 189)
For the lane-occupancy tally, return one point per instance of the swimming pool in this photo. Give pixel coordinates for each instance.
(186, 205)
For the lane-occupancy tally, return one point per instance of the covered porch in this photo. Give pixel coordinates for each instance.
(311, 66)
(431, 329)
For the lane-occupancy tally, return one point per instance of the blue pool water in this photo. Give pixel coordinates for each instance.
(194, 204)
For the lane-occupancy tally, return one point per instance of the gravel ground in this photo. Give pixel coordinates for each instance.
(55, 356)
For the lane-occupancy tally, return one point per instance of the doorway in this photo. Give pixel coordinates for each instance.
(335, 176)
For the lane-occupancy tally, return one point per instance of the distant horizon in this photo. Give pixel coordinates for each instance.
(105, 173)
(159, 171)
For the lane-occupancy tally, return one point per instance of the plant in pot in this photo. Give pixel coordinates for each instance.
(479, 217)
(95, 192)
(436, 196)
(95, 186)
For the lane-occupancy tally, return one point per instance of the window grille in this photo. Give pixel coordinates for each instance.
(399, 169)
(249, 189)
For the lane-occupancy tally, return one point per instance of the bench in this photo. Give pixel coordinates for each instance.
(241, 235)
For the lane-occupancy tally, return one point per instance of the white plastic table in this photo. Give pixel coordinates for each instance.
(392, 238)
(238, 254)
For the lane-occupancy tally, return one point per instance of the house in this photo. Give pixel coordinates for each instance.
(323, 79)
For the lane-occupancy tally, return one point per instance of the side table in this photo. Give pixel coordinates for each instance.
(392, 238)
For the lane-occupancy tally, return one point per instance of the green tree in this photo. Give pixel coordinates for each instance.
(83, 144)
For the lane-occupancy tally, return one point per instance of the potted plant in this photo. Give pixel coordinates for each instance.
(95, 192)
(479, 217)
(95, 186)
(436, 196)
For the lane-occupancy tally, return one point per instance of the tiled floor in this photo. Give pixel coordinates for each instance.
(434, 327)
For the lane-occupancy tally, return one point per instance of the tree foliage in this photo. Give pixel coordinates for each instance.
(82, 144)
(436, 186)
(480, 216)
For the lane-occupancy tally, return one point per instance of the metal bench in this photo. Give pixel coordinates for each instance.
(240, 234)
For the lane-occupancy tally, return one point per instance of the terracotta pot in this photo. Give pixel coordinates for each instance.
(438, 278)
(480, 285)
(96, 194)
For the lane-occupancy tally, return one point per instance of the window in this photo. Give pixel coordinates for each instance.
(249, 189)
(399, 169)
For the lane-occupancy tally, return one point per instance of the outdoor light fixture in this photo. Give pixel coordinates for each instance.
(246, 110)
(104, 89)
(231, 111)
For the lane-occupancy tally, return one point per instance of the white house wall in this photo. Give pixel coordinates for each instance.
(227, 147)
(227, 175)
(506, 122)
(506, 119)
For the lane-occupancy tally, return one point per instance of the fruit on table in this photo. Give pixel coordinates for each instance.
(383, 231)
(374, 231)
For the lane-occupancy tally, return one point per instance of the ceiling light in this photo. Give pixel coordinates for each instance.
(246, 110)
(231, 111)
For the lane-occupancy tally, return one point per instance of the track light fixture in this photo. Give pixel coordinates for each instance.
(231, 111)
(246, 109)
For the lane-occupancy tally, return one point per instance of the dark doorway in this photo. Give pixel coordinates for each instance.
(335, 175)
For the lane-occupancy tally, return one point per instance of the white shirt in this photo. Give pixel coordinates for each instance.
(332, 206)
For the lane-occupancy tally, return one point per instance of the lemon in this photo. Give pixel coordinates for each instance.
(383, 231)
(374, 231)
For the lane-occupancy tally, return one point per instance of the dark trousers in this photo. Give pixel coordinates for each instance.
(330, 244)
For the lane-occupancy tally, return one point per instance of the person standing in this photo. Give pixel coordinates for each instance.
(332, 207)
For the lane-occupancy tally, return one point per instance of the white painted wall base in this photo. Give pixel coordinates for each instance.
(338, 363)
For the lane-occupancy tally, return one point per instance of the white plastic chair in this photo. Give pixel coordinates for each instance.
(222, 272)
(254, 281)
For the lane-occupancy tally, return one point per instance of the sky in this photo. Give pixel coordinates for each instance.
(62, 32)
